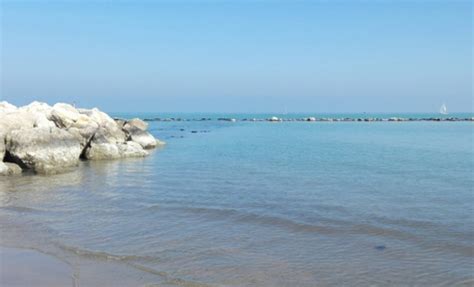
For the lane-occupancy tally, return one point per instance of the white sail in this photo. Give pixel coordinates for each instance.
(443, 110)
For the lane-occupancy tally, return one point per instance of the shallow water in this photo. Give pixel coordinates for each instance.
(262, 204)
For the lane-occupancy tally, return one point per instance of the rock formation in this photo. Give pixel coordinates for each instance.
(50, 139)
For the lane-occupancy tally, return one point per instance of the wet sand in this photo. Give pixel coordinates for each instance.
(23, 267)
(27, 268)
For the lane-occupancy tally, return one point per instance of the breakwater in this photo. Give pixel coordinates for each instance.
(315, 119)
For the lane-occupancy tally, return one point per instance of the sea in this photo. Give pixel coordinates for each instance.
(261, 204)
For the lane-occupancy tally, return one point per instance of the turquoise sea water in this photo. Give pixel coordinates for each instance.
(262, 204)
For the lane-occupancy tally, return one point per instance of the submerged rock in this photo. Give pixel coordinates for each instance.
(227, 119)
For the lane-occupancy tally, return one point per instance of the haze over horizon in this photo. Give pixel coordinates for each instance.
(226, 56)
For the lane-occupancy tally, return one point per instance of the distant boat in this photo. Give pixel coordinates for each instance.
(443, 110)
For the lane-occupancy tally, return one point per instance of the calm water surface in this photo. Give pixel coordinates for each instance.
(262, 204)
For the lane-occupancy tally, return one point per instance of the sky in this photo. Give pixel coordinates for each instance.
(239, 56)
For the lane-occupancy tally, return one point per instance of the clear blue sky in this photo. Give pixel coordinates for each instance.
(240, 56)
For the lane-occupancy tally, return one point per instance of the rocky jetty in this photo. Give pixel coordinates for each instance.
(50, 139)
(323, 119)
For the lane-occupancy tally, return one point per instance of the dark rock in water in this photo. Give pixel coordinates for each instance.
(380, 247)
(181, 130)
(194, 132)
(227, 119)
(152, 119)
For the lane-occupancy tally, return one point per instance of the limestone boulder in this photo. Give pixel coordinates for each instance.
(77, 121)
(9, 168)
(145, 139)
(106, 127)
(35, 114)
(108, 151)
(6, 107)
(64, 115)
(49, 139)
(109, 135)
(16, 120)
(132, 149)
(99, 117)
(109, 144)
(135, 124)
(42, 121)
(3, 168)
(43, 150)
(38, 108)
(2, 146)
(102, 151)
(120, 122)
(160, 143)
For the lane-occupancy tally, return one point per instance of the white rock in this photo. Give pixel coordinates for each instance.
(50, 139)
(9, 168)
(64, 115)
(109, 135)
(132, 149)
(3, 168)
(38, 107)
(84, 135)
(44, 150)
(120, 122)
(145, 139)
(2, 146)
(108, 151)
(41, 121)
(160, 143)
(6, 107)
(16, 120)
(33, 115)
(107, 144)
(101, 118)
(135, 124)
(102, 151)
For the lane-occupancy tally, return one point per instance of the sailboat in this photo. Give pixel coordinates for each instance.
(443, 110)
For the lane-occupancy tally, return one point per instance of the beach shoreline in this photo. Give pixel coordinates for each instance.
(26, 267)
